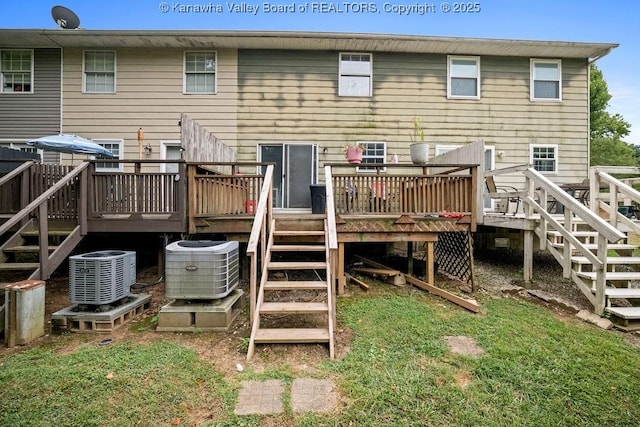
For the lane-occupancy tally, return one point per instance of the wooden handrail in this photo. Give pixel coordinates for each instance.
(331, 212)
(42, 198)
(261, 211)
(259, 233)
(593, 220)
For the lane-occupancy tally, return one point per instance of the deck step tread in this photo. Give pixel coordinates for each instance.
(291, 335)
(622, 292)
(593, 246)
(616, 275)
(298, 232)
(19, 266)
(283, 285)
(294, 307)
(297, 265)
(625, 312)
(610, 260)
(298, 248)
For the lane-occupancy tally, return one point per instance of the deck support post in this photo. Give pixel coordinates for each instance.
(527, 271)
(429, 267)
(410, 258)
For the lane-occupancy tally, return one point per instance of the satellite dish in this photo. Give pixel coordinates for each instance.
(65, 18)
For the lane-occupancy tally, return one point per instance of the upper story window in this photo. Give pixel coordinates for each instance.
(356, 72)
(544, 158)
(546, 80)
(115, 146)
(200, 72)
(464, 77)
(99, 72)
(16, 71)
(373, 152)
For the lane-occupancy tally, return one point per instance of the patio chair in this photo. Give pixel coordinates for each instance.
(493, 189)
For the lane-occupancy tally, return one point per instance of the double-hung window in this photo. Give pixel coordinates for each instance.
(200, 72)
(115, 146)
(356, 72)
(544, 158)
(373, 152)
(99, 71)
(16, 71)
(464, 77)
(546, 80)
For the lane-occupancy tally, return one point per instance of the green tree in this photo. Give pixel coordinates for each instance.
(607, 130)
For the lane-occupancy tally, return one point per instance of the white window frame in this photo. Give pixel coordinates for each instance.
(163, 152)
(348, 68)
(117, 167)
(532, 159)
(85, 72)
(450, 76)
(371, 169)
(214, 72)
(30, 71)
(532, 79)
(441, 149)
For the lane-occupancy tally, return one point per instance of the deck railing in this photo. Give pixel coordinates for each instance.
(538, 193)
(215, 194)
(73, 182)
(406, 189)
(137, 192)
(29, 180)
(607, 192)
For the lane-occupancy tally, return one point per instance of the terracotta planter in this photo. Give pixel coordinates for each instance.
(354, 155)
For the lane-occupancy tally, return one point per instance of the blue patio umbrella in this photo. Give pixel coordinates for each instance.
(71, 144)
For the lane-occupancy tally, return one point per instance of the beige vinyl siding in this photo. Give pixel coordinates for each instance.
(293, 96)
(149, 95)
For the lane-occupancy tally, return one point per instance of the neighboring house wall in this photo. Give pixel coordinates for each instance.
(25, 116)
(149, 95)
(292, 96)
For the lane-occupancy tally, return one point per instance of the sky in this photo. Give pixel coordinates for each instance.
(614, 21)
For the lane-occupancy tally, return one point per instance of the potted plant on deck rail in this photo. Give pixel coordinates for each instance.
(353, 153)
(419, 149)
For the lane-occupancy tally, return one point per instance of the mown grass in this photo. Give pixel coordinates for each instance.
(537, 370)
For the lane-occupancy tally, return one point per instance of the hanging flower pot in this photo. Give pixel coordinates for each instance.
(354, 154)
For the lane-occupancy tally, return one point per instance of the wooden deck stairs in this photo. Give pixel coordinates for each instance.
(622, 292)
(20, 254)
(295, 302)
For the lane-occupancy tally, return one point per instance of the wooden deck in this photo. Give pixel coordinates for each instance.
(396, 203)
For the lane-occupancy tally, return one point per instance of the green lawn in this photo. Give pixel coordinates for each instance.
(537, 370)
